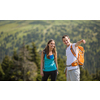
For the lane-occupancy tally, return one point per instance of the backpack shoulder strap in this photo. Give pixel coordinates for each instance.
(72, 51)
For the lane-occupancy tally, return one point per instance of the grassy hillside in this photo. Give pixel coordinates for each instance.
(14, 32)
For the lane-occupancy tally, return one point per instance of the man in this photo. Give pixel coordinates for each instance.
(72, 72)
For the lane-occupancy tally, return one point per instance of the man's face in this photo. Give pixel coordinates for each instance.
(66, 41)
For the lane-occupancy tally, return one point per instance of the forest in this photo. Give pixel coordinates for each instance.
(21, 43)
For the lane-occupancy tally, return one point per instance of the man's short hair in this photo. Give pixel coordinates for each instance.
(65, 36)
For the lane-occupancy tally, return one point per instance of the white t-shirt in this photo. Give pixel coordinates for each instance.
(70, 57)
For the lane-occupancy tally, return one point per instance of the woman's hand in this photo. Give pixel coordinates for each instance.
(42, 74)
(57, 72)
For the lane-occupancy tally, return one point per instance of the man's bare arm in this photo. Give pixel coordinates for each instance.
(79, 42)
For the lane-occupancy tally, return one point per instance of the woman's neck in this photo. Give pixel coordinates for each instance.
(50, 50)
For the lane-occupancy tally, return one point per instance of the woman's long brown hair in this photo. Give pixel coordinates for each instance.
(47, 50)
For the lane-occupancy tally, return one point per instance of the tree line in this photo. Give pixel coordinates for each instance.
(24, 65)
(41, 31)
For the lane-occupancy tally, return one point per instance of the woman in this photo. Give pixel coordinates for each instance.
(49, 64)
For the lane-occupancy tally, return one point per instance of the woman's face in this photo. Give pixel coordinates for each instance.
(51, 45)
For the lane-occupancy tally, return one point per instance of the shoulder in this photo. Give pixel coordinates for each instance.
(73, 45)
(43, 52)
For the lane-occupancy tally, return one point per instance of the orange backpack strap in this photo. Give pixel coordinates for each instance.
(75, 63)
(72, 51)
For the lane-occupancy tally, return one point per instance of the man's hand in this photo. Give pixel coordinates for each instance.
(66, 72)
(83, 41)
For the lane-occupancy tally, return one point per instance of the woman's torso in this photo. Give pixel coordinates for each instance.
(49, 64)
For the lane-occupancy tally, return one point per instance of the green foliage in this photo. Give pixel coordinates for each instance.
(6, 68)
(12, 34)
(35, 55)
(36, 59)
(61, 67)
(96, 76)
(84, 75)
(26, 68)
(23, 67)
(42, 31)
(1, 73)
(18, 68)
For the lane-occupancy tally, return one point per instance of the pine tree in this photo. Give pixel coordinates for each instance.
(96, 76)
(17, 69)
(27, 69)
(15, 55)
(1, 73)
(61, 66)
(6, 68)
(84, 75)
(88, 77)
(36, 58)
(9, 70)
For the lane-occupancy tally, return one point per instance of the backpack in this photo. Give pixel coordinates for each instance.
(80, 58)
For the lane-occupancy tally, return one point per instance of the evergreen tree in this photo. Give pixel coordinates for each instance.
(96, 76)
(88, 77)
(17, 69)
(36, 58)
(9, 70)
(61, 66)
(1, 73)
(6, 68)
(15, 55)
(84, 75)
(27, 69)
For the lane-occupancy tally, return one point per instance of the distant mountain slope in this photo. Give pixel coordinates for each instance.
(14, 32)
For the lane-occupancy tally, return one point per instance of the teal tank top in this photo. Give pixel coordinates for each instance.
(49, 64)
